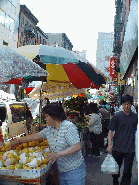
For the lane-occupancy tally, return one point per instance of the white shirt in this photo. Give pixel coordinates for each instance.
(132, 109)
(95, 123)
(60, 139)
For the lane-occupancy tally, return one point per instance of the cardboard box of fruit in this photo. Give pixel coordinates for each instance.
(28, 160)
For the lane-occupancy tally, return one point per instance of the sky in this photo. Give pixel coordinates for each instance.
(80, 20)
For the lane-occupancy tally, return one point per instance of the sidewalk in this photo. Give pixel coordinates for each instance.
(94, 176)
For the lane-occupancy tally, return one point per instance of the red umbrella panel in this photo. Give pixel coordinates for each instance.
(14, 81)
(29, 89)
(81, 74)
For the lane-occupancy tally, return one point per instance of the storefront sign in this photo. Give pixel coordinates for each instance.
(112, 67)
(120, 81)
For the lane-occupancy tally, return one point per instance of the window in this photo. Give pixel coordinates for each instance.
(7, 21)
(43, 42)
(26, 25)
(12, 24)
(2, 17)
(14, 2)
(22, 21)
(37, 37)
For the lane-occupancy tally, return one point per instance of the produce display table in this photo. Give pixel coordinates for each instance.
(37, 181)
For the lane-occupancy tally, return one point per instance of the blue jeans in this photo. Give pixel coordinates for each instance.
(73, 177)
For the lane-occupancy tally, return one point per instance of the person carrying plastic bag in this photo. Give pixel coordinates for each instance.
(124, 123)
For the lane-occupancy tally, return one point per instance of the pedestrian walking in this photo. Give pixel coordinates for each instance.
(132, 109)
(136, 147)
(112, 110)
(116, 107)
(95, 128)
(64, 142)
(105, 122)
(124, 123)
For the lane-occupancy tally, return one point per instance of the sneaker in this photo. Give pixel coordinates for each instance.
(97, 156)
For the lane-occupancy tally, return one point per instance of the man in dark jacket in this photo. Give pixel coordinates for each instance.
(124, 123)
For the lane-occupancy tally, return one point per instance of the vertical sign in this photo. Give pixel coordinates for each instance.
(120, 81)
(112, 67)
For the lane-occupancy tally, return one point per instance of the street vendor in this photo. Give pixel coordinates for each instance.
(64, 142)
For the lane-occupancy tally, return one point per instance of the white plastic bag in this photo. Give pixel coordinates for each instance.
(110, 166)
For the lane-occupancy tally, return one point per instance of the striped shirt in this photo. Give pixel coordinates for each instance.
(60, 139)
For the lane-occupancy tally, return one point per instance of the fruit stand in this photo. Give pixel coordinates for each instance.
(28, 163)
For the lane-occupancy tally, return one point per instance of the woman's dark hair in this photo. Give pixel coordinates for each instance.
(127, 97)
(117, 102)
(93, 108)
(55, 111)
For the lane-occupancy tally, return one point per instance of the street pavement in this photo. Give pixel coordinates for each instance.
(94, 176)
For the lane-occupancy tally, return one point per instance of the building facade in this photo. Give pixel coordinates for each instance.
(29, 32)
(60, 39)
(129, 55)
(9, 22)
(104, 51)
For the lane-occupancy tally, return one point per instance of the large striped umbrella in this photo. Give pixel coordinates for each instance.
(64, 66)
(14, 66)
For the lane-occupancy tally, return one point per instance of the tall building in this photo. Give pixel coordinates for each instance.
(60, 39)
(29, 32)
(9, 22)
(104, 51)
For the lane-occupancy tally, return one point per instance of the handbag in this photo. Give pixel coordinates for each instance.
(110, 166)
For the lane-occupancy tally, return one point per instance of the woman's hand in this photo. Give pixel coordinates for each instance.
(109, 148)
(14, 144)
(52, 157)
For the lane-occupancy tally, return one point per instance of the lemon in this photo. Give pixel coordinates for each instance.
(45, 161)
(2, 161)
(19, 166)
(10, 155)
(28, 160)
(27, 154)
(43, 165)
(13, 160)
(31, 151)
(11, 167)
(38, 162)
(17, 157)
(3, 168)
(28, 168)
(25, 145)
(37, 168)
(24, 166)
(25, 150)
(45, 154)
(32, 157)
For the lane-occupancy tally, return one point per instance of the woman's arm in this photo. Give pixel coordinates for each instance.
(71, 150)
(28, 138)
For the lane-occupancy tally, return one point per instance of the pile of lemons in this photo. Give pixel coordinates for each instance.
(36, 151)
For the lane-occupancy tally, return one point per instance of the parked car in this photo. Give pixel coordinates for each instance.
(16, 118)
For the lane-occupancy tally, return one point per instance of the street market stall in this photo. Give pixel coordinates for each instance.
(28, 163)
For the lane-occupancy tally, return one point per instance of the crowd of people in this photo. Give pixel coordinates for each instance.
(104, 121)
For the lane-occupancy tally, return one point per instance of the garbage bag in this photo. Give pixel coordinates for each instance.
(110, 166)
